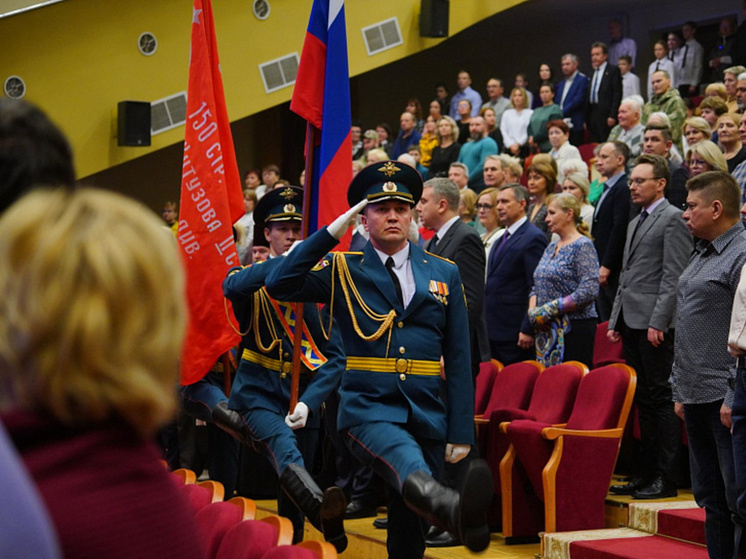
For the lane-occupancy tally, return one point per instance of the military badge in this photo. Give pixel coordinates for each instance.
(389, 169)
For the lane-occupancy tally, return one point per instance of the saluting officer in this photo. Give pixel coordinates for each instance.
(399, 309)
(261, 390)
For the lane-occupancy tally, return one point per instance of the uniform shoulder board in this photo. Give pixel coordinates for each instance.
(440, 257)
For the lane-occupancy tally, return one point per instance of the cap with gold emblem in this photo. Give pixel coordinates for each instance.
(386, 180)
(284, 203)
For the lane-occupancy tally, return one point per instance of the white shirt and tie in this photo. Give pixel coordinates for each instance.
(402, 267)
(598, 75)
(689, 60)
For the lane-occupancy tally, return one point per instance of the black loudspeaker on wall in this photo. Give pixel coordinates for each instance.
(133, 123)
(434, 18)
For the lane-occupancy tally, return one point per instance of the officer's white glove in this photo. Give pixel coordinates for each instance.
(298, 418)
(340, 225)
(456, 452)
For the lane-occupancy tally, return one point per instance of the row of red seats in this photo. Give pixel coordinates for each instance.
(551, 437)
(230, 530)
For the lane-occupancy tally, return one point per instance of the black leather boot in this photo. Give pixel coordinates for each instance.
(464, 513)
(324, 510)
(231, 422)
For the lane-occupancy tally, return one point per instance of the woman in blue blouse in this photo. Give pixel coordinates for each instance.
(565, 287)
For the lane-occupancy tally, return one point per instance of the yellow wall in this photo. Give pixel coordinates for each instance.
(79, 58)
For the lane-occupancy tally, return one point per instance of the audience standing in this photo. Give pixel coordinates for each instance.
(496, 99)
(538, 135)
(644, 317)
(629, 130)
(408, 134)
(572, 93)
(703, 372)
(465, 92)
(610, 221)
(661, 63)
(510, 273)
(542, 178)
(473, 152)
(514, 125)
(620, 45)
(448, 148)
(605, 94)
(691, 61)
(565, 287)
(666, 99)
(630, 81)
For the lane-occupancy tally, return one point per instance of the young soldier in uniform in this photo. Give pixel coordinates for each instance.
(261, 391)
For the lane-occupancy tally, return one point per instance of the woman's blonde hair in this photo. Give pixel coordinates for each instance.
(567, 202)
(92, 315)
(735, 118)
(698, 123)
(523, 94)
(469, 198)
(711, 153)
(717, 89)
(452, 124)
(581, 181)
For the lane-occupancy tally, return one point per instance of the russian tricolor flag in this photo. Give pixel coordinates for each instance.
(322, 97)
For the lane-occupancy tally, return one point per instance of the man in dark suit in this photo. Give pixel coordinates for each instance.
(656, 252)
(572, 94)
(609, 230)
(510, 278)
(605, 94)
(455, 240)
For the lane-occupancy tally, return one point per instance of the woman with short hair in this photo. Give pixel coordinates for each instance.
(514, 123)
(730, 140)
(705, 156)
(565, 287)
(538, 137)
(89, 367)
(542, 178)
(448, 148)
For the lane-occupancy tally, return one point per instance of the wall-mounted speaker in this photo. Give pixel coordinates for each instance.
(133, 123)
(434, 18)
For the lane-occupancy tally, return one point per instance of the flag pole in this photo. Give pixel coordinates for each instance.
(298, 333)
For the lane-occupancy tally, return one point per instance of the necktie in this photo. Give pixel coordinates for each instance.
(643, 217)
(657, 65)
(433, 243)
(500, 246)
(683, 60)
(395, 279)
(594, 93)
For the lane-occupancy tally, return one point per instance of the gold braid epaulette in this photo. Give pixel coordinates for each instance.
(339, 264)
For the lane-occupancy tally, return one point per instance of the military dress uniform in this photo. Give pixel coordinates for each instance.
(396, 412)
(261, 390)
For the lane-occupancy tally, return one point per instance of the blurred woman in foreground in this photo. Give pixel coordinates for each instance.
(91, 327)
